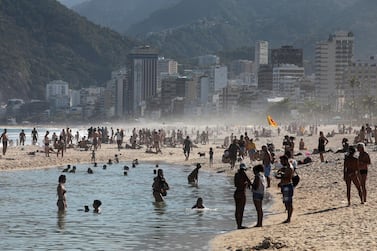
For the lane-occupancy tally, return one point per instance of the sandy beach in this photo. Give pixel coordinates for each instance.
(321, 219)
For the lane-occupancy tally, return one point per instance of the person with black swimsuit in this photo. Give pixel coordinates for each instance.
(322, 142)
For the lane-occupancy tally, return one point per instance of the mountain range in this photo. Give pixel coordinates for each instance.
(194, 27)
(42, 40)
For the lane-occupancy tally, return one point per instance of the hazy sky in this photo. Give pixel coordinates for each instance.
(70, 3)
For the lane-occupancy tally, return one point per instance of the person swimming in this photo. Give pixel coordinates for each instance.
(96, 206)
(199, 204)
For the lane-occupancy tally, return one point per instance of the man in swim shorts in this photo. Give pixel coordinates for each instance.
(286, 185)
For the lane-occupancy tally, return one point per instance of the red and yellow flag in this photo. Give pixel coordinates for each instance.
(271, 122)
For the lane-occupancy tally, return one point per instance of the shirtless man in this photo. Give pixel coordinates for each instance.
(364, 161)
(286, 185)
(351, 173)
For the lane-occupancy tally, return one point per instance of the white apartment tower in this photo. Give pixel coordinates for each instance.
(260, 55)
(332, 57)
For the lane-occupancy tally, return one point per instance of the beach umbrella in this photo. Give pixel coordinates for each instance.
(271, 122)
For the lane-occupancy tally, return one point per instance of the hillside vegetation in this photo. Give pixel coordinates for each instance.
(41, 40)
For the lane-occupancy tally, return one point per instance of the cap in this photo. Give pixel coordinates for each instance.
(243, 166)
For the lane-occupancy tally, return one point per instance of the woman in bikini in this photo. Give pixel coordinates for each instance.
(364, 161)
(351, 173)
(61, 203)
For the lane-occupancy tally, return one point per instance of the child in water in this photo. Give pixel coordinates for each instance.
(199, 204)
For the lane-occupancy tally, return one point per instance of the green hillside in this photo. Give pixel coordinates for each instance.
(41, 40)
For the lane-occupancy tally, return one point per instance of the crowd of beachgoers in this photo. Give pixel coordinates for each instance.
(314, 208)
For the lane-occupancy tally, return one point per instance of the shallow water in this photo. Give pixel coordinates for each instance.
(129, 220)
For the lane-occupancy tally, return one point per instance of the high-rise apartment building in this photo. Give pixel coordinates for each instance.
(285, 80)
(260, 55)
(287, 55)
(332, 57)
(143, 78)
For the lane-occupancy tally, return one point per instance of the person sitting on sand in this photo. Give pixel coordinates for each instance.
(351, 173)
(345, 146)
(193, 176)
(199, 204)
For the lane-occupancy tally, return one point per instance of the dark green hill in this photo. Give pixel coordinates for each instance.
(120, 14)
(195, 27)
(41, 40)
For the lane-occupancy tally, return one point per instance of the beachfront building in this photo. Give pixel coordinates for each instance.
(115, 102)
(92, 102)
(208, 60)
(332, 57)
(177, 90)
(242, 71)
(142, 79)
(287, 55)
(58, 95)
(360, 82)
(265, 77)
(285, 80)
(260, 55)
(220, 77)
(165, 67)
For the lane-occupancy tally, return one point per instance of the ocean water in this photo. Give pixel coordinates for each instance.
(129, 220)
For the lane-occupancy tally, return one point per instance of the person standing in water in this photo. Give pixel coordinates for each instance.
(160, 186)
(61, 203)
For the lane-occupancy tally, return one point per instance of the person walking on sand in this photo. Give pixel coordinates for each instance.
(187, 145)
(233, 150)
(34, 136)
(210, 156)
(258, 188)
(4, 140)
(322, 142)
(351, 173)
(22, 137)
(241, 182)
(364, 161)
(61, 203)
(46, 142)
(285, 174)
